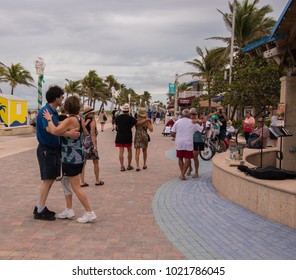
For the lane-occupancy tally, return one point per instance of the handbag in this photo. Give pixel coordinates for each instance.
(105, 118)
(149, 139)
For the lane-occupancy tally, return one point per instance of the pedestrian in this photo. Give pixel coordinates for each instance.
(198, 143)
(72, 153)
(124, 137)
(249, 124)
(142, 138)
(183, 131)
(102, 119)
(91, 146)
(114, 111)
(48, 150)
(222, 118)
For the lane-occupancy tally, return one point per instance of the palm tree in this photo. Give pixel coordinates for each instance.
(207, 65)
(15, 75)
(251, 23)
(72, 87)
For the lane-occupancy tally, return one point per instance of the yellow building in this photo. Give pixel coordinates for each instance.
(13, 111)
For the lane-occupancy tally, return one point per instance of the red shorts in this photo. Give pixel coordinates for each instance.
(184, 154)
(123, 145)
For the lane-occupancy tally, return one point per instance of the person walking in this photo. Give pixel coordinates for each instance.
(102, 119)
(91, 146)
(72, 153)
(183, 131)
(198, 143)
(124, 137)
(142, 138)
(114, 111)
(48, 150)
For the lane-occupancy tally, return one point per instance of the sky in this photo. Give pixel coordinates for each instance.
(142, 43)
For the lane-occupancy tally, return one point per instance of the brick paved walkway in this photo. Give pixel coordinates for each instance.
(141, 215)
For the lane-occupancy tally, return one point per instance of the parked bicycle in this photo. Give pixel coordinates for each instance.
(212, 146)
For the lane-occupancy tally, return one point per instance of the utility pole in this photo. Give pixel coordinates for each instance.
(176, 94)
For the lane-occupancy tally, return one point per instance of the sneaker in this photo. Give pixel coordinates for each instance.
(45, 215)
(36, 211)
(87, 218)
(66, 214)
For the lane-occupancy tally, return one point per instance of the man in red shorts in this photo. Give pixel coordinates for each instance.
(183, 131)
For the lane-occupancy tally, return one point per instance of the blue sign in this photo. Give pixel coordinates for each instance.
(172, 88)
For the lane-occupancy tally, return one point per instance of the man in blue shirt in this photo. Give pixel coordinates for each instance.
(48, 151)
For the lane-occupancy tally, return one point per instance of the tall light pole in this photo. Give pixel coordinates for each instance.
(232, 46)
(39, 65)
(176, 94)
(232, 40)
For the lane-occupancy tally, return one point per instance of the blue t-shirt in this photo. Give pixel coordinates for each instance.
(43, 137)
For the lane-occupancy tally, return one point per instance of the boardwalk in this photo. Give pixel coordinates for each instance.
(146, 215)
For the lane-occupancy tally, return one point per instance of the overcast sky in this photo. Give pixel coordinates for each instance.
(143, 43)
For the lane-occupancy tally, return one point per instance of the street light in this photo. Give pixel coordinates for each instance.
(176, 94)
(232, 46)
(232, 40)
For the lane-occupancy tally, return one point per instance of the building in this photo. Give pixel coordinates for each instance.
(13, 111)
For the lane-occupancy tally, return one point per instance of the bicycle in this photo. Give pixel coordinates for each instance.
(212, 146)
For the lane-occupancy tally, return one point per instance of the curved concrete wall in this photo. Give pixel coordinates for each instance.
(272, 199)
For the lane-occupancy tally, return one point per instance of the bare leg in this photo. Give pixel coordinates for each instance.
(185, 167)
(129, 155)
(181, 165)
(81, 175)
(121, 152)
(96, 170)
(137, 157)
(44, 191)
(74, 181)
(145, 155)
(196, 163)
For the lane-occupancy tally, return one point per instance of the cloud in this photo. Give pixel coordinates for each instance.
(142, 43)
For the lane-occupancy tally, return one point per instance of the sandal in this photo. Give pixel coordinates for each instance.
(145, 167)
(129, 167)
(138, 169)
(84, 185)
(122, 168)
(101, 183)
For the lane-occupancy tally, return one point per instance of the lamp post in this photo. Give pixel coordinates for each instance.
(39, 65)
(176, 94)
(232, 40)
(232, 47)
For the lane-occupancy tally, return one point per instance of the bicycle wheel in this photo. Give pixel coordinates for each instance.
(207, 153)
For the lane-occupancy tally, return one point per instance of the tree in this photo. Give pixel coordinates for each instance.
(15, 75)
(95, 88)
(207, 65)
(72, 87)
(251, 23)
(256, 83)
